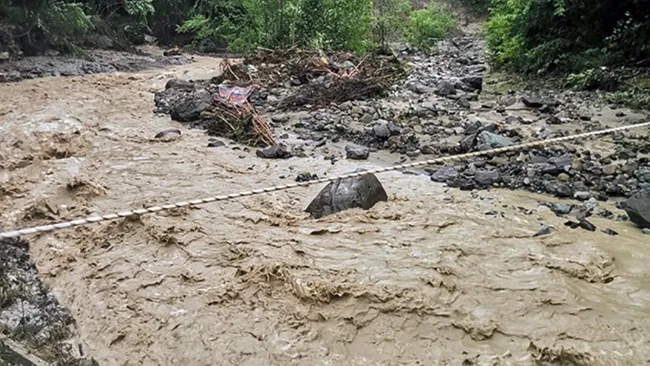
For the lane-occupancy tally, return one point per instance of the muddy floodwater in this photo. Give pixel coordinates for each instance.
(426, 278)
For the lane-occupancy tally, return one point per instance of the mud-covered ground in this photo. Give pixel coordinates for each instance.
(96, 62)
(436, 275)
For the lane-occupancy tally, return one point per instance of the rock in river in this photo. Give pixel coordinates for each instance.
(359, 192)
(638, 209)
(274, 152)
(168, 133)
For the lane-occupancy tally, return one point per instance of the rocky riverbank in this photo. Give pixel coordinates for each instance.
(449, 105)
(31, 315)
(97, 62)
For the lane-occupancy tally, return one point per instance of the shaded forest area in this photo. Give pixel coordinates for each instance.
(587, 40)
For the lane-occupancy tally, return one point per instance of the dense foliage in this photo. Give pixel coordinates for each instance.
(427, 25)
(576, 37)
(542, 36)
(240, 25)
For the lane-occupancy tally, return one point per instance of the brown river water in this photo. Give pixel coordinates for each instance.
(424, 279)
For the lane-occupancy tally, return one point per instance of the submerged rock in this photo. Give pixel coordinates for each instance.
(360, 192)
(638, 209)
(168, 133)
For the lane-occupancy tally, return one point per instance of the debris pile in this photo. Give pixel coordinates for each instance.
(320, 79)
(223, 110)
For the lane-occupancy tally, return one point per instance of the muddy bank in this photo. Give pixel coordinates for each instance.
(99, 62)
(31, 315)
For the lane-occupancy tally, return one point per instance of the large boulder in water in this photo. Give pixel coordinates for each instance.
(359, 192)
(638, 209)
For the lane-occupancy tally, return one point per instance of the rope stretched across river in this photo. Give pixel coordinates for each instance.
(226, 197)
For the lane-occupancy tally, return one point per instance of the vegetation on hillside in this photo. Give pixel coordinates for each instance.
(582, 39)
(33, 26)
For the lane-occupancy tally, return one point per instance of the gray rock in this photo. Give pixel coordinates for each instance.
(366, 118)
(345, 106)
(280, 118)
(420, 88)
(492, 140)
(216, 143)
(537, 102)
(428, 105)
(463, 103)
(561, 208)
(167, 133)
(638, 209)
(553, 120)
(646, 231)
(475, 82)
(382, 130)
(562, 161)
(591, 204)
(562, 190)
(444, 174)
(445, 89)
(428, 150)
(582, 195)
(487, 178)
(610, 169)
(190, 105)
(179, 84)
(274, 152)
(360, 192)
(545, 230)
(356, 110)
(357, 152)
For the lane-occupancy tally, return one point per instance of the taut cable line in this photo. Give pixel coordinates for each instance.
(226, 197)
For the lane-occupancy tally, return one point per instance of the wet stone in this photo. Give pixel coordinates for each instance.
(445, 88)
(360, 192)
(487, 178)
(357, 152)
(582, 195)
(638, 209)
(610, 232)
(474, 82)
(274, 152)
(216, 143)
(444, 174)
(537, 102)
(489, 140)
(167, 133)
(306, 177)
(561, 208)
(546, 230)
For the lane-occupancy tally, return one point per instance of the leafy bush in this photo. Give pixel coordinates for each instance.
(390, 20)
(427, 26)
(42, 24)
(542, 36)
(329, 24)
